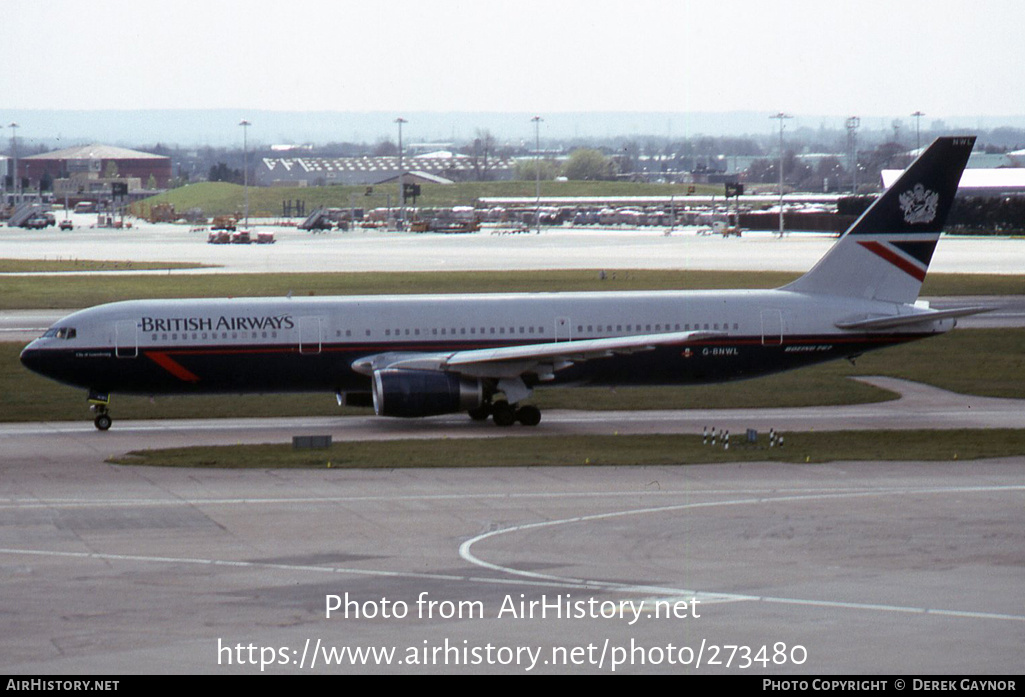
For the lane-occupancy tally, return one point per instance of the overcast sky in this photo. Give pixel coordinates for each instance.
(815, 57)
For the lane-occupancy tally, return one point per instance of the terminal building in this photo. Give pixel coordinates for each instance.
(82, 169)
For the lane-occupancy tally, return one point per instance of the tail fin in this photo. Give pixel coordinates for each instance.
(884, 255)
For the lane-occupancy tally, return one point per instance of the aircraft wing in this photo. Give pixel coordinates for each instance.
(513, 361)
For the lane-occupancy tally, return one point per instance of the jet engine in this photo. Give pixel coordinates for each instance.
(413, 393)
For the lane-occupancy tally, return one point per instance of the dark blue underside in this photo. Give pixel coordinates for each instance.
(268, 369)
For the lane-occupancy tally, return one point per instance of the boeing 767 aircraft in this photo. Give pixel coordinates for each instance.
(440, 354)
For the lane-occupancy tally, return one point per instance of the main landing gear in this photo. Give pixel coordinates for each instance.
(98, 404)
(505, 414)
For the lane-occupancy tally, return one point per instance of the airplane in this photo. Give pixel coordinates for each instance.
(427, 355)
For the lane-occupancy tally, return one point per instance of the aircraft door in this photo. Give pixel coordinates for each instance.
(772, 328)
(563, 329)
(310, 336)
(126, 338)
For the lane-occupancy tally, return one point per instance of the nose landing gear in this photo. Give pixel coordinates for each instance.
(98, 404)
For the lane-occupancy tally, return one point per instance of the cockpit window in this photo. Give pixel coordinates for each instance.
(60, 333)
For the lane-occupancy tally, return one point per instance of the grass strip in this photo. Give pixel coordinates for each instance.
(597, 451)
(221, 198)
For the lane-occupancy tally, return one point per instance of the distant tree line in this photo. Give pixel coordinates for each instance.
(620, 156)
(221, 172)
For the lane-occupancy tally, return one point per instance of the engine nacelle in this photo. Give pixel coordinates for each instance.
(413, 393)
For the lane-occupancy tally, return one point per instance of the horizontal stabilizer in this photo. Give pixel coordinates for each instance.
(894, 321)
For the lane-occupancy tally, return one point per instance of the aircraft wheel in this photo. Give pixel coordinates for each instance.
(503, 414)
(102, 422)
(528, 415)
(480, 413)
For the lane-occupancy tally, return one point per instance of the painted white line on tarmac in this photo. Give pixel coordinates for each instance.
(467, 555)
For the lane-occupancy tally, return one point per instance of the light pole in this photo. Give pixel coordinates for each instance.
(782, 117)
(245, 164)
(537, 172)
(918, 131)
(852, 140)
(14, 151)
(402, 189)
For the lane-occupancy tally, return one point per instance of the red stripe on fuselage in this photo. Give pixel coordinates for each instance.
(889, 255)
(172, 366)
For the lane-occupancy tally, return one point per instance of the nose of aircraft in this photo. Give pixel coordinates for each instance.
(32, 358)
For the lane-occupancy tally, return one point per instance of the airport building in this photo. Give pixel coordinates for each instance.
(84, 166)
(325, 171)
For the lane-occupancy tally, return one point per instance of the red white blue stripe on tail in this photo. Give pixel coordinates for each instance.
(885, 254)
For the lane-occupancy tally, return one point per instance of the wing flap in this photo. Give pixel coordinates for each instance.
(579, 350)
(507, 361)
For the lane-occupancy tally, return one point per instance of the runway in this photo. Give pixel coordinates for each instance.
(847, 567)
(555, 248)
(833, 568)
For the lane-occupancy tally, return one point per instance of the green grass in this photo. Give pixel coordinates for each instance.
(28, 292)
(219, 198)
(598, 451)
